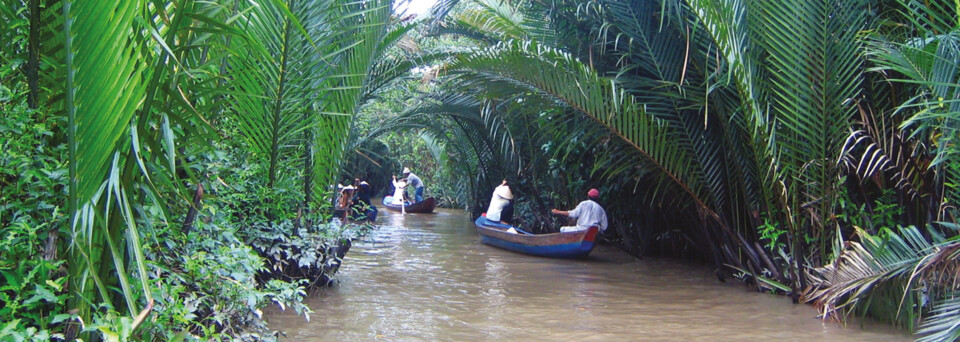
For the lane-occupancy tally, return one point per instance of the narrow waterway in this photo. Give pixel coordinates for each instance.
(427, 278)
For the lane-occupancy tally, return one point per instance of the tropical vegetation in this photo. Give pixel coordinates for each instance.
(804, 147)
(169, 166)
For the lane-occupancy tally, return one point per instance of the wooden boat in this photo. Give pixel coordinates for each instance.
(425, 206)
(555, 245)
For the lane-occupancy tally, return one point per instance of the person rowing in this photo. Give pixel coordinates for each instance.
(415, 182)
(501, 204)
(588, 213)
(398, 193)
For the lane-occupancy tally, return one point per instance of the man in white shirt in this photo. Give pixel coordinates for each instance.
(588, 213)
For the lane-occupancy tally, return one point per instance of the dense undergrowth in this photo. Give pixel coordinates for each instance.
(166, 166)
(210, 281)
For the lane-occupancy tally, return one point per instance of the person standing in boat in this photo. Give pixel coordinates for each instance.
(415, 182)
(588, 213)
(501, 204)
(398, 189)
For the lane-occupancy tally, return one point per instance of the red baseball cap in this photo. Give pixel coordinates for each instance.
(593, 193)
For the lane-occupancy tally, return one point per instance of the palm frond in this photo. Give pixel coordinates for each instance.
(274, 73)
(497, 17)
(358, 44)
(102, 124)
(892, 264)
(657, 46)
(944, 324)
(101, 101)
(815, 65)
(559, 76)
(927, 65)
(727, 24)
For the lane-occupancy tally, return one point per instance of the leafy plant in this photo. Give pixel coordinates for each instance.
(307, 256)
(771, 233)
(896, 276)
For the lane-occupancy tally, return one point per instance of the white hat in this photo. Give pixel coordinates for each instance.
(406, 170)
(504, 191)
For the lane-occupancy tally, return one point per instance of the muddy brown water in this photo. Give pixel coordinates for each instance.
(426, 277)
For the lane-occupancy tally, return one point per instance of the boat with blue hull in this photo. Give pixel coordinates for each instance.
(554, 245)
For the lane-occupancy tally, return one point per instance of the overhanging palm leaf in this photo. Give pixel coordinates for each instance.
(275, 71)
(944, 324)
(727, 23)
(497, 19)
(105, 95)
(364, 35)
(557, 75)
(897, 264)
(732, 45)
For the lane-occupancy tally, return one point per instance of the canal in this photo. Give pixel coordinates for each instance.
(426, 277)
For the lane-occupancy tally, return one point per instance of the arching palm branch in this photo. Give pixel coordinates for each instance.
(557, 75)
(275, 75)
(343, 92)
(904, 264)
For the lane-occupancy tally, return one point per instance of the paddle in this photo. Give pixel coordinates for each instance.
(403, 202)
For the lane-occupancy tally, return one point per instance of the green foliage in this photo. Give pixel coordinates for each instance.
(884, 212)
(33, 297)
(32, 175)
(122, 146)
(207, 283)
(311, 256)
(32, 178)
(896, 276)
(921, 60)
(771, 232)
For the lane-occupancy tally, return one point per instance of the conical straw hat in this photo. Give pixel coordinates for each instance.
(504, 191)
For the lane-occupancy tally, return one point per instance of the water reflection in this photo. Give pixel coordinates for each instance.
(427, 278)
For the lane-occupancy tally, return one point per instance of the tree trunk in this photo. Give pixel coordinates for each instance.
(194, 210)
(33, 58)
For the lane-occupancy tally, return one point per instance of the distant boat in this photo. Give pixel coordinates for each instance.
(554, 245)
(425, 206)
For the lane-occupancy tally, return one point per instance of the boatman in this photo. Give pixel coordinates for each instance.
(415, 182)
(588, 213)
(399, 188)
(501, 207)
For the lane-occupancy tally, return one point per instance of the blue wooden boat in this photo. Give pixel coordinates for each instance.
(554, 245)
(425, 206)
